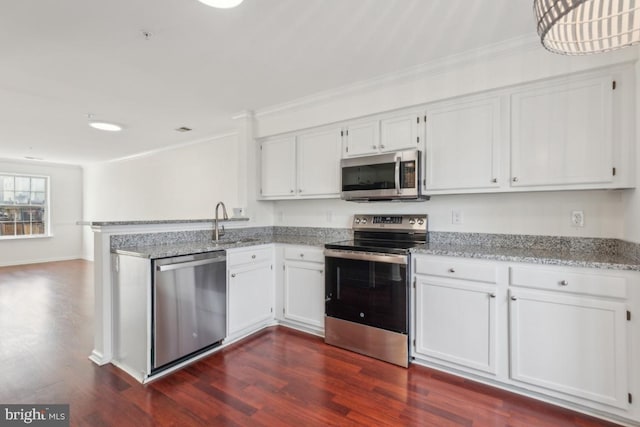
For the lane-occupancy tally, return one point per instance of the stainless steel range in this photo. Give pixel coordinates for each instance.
(367, 286)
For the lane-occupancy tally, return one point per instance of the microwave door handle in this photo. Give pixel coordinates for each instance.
(398, 174)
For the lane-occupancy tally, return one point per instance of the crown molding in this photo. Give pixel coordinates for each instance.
(508, 47)
(244, 114)
(39, 163)
(165, 148)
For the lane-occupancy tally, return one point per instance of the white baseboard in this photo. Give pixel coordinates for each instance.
(38, 261)
(98, 358)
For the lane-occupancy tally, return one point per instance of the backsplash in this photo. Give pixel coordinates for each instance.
(523, 241)
(629, 249)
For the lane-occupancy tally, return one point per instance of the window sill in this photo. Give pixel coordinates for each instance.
(26, 237)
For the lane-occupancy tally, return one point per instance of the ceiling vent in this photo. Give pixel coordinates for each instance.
(183, 129)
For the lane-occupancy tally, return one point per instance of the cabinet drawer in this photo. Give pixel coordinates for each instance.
(456, 269)
(302, 253)
(567, 281)
(250, 255)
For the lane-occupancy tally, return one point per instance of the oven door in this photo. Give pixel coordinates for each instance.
(367, 288)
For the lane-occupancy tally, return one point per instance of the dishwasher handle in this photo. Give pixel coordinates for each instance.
(187, 264)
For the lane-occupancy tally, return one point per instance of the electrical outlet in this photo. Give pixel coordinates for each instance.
(577, 219)
(456, 217)
(329, 216)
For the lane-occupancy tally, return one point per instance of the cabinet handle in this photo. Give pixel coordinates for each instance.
(292, 191)
(233, 275)
(253, 256)
(494, 180)
(563, 283)
(492, 295)
(513, 298)
(301, 255)
(451, 270)
(514, 179)
(320, 271)
(299, 190)
(382, 147)
(374, 147)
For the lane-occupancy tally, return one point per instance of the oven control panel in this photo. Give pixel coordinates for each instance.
(390, 222)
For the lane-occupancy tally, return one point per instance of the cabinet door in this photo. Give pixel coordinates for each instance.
(278, 167)
(456, 322)
(561, 134)
(362, 138)
(463, 145)
(399, 132)
(250, 297)
(319, 163)
(570, 344)
(304, 293)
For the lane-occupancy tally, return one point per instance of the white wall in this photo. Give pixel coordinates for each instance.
(499, 66)
(179, 183)
(632, 197)
(544, 213)
(66, 209)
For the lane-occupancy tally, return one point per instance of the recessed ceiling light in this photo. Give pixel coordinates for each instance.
(222, 4)
(110, 127)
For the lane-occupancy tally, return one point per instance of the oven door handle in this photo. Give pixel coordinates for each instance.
(367, 256)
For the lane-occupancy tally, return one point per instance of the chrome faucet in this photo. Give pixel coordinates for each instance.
(216, 230)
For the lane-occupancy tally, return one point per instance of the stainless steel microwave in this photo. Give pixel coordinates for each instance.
(391, 176)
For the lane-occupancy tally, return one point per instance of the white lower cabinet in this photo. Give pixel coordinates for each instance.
(303, 287)
(568, 341)
(250, 289)
(565, 334)
(455, 318)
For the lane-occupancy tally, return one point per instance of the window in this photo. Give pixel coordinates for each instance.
(24, 205)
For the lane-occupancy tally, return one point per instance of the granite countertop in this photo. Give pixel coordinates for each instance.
(157, 222)
(563, 251)
(186, 248)
(547, 256)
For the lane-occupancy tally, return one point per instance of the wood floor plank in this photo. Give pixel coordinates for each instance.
(277, 377)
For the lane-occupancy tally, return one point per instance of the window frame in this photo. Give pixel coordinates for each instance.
(46, 217)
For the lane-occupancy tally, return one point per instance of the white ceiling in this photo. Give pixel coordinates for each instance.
(63, 59)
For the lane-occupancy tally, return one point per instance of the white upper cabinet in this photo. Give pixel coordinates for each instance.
(566, 133)
(561, 133)
(393, 132)
(319, 163)
(362, 138)
(400, 132)
(301, 166)
(463, 144)
(278, 167)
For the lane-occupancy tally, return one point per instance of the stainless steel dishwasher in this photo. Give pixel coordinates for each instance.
(189, 307)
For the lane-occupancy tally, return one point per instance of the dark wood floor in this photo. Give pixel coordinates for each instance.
(277, 377)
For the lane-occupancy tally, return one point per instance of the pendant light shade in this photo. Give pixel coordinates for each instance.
(579, 27)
